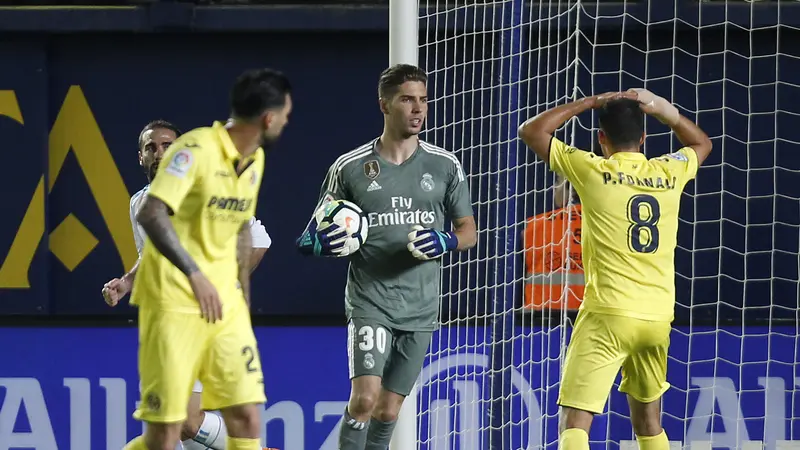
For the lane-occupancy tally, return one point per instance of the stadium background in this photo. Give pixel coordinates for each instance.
(76, 87)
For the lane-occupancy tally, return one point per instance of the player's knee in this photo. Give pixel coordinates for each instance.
(388, 407)
(385, 414)
(362, 403)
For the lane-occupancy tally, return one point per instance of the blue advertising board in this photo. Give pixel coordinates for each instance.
(70, 388)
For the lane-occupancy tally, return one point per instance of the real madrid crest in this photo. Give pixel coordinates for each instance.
(372, 169)
(427, 183)
(369, 361)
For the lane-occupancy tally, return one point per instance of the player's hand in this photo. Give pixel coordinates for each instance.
(656, 106)
(427, 243)
(115, 290)
(328, 242)
(598, 101)
(207, 296)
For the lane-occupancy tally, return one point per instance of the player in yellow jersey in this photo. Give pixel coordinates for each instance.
(630, 224)
(192, 286)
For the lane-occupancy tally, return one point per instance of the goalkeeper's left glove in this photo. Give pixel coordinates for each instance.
(427, 243)
(328, 242)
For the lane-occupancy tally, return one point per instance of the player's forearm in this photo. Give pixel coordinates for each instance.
(131, 275)
(552, 119)
(244, 252)
(466, 233)
(154, 218)
(689, 134)
(256, 256)
(537, 131)
(466, 240)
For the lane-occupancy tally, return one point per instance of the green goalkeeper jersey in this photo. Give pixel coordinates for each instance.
(384, 281)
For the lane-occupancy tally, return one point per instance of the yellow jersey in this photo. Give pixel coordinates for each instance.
(630, 226)
(197, 180)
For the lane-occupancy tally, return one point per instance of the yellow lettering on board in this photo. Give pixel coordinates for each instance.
(14, 271)
(75, 129)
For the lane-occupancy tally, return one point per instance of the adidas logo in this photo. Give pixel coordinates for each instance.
(356, 425)
(374, 186)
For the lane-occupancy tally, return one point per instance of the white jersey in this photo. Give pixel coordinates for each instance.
(136, 205)
(261, 238)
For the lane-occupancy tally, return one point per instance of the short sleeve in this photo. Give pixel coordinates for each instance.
(458, 202)
(570, 162)
(180, 169)
(260, 237)
(681, 164)
(138, 239)
(333, 187)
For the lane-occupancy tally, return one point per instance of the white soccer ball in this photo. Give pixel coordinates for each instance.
(348, 216)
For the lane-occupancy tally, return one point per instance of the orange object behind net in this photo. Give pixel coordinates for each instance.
(553, 259)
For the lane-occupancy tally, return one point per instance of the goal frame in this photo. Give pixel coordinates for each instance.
(404, 49)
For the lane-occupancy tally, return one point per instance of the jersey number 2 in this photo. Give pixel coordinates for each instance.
(643, 214)
(250, 354)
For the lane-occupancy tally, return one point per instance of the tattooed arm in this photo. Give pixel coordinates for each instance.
(154, 218)
(244, 250)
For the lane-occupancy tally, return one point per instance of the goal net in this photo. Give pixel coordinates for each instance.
(491, 378)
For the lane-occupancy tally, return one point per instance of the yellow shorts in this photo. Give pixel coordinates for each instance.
(600, 345)
(177, 348)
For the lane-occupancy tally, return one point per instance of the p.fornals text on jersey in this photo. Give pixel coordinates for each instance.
(622, 178)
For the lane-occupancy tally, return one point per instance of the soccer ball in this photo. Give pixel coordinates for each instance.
(348, 216)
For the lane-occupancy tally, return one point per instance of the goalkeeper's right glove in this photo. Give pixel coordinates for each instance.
(328, 242)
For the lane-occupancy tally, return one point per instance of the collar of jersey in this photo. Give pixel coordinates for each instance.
(227, 144)
(628, 155)
(378, 154)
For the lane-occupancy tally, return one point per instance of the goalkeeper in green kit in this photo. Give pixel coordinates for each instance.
(407, 188)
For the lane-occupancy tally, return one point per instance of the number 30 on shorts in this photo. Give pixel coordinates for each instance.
(372, 337)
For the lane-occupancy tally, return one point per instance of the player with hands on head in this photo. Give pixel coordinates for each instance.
(407, 188)
(192, 286)
(630, 210)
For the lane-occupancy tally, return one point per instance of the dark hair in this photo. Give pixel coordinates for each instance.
(623, 122)
(393, 77)
(158, 123)
(258, 90)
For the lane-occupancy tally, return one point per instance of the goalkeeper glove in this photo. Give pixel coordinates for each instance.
(427, 243)
(328, 242)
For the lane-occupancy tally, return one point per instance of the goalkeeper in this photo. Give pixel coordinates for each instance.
(630, 225)
(407, 188)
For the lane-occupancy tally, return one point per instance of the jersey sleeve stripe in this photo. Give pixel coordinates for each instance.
(342, 161)
(432, 149)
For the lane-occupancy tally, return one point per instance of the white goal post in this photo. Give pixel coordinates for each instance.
(403, 49)
(492, 374)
